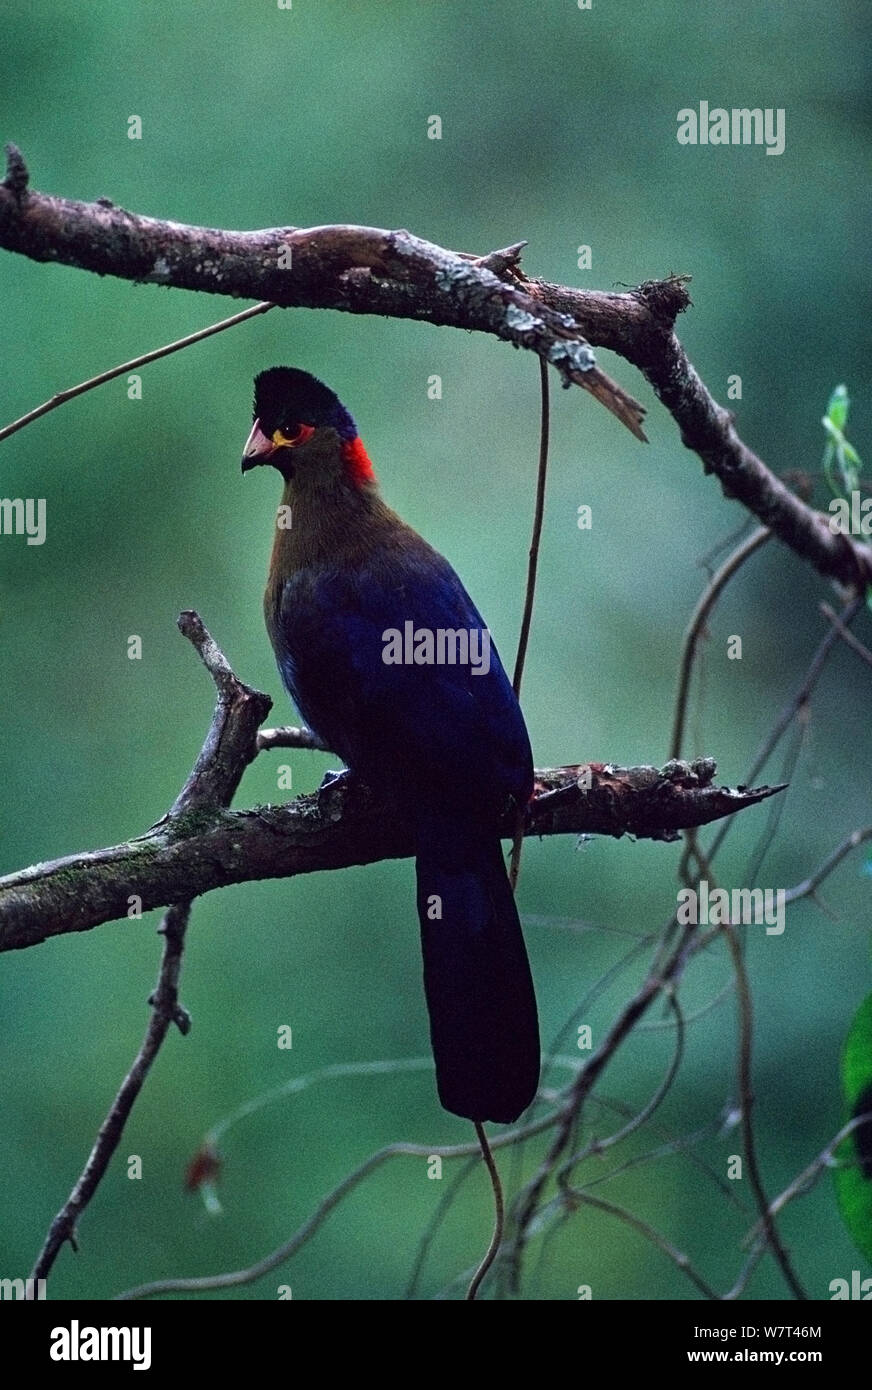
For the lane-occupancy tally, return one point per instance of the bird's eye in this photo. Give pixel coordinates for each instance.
(292, 435)
(286, 435)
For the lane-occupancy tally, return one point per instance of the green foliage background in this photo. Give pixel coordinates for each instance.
(559, 127)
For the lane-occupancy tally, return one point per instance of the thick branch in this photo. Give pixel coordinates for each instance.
(368, 270)
(639, 326)
(338, 267)
(192, 851)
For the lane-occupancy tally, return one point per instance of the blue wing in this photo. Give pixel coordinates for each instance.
(416, 725)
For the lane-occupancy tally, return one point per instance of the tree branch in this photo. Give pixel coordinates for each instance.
(198, 845)
(640, 327)
(228, 749)
(358, 269)
(370, 270)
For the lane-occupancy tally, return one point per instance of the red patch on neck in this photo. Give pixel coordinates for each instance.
(357, 461)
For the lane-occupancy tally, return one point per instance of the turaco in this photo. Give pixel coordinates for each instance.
(389, 663)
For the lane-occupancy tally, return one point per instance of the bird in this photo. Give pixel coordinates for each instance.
(391, 666)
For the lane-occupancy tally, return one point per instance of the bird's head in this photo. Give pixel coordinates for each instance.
(302, 428)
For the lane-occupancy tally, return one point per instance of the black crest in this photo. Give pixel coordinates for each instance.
(285, 397)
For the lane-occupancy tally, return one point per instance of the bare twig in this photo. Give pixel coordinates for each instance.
(535, 542)
(499, 1214)
(61, 397)
(288, 737)
(810, 885)
(165, 1011)
(697, 625)
(599, 1146)
(304, 1233)
(794, 707)
(568, 1116)
(746, 1101)
(805, 1181)
(530, 592)
(228, 749)
(428, 1235)
(846, 635)
(679, 1259)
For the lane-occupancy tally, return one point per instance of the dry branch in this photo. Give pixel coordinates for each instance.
(315, 267)
(370, 270)
(199, 845)
(214, 779)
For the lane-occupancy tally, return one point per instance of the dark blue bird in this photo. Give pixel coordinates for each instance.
(389, 662)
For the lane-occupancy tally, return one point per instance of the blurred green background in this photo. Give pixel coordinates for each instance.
(558, 127)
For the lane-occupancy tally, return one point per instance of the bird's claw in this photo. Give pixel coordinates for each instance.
(330, 792)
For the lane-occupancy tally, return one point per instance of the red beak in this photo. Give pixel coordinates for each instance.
(257, 448)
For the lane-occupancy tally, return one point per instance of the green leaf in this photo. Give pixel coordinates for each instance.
(834, 431)
(850, 452)
(838, 406)
(837, 449)
(854, 1179)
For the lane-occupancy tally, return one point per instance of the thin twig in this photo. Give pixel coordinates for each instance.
(802, 1184)
(745, 1273)
(802, 696)
(799, 1187)
(530, 594)
(228, 748)
(798, 702)
(772, 822)
(746, 1096)
(428, 1235)
(683, 1146)
(598, 1147)
(165, 1011)
(846, 635)
(289, 737)
(698, 621)
(809, 886)
(678, 1258)
(499, 1214)
(61, 397)
(570, 1111)
(536, 539)
(236, 1277)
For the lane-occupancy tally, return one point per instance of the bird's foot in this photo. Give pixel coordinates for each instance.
(331, 776)
(331, 792)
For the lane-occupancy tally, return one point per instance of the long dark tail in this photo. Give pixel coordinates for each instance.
(483, 1023)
